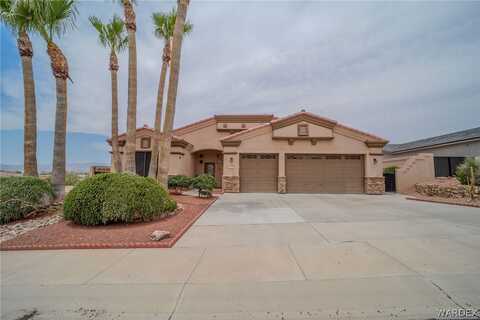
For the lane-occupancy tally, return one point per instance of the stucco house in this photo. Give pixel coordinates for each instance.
(425, 159)
(299, 153)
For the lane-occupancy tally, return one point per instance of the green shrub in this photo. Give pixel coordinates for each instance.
(179, 183)
(204, 183)
(72, 179)
(390, 170)
(21, 195)
(116, 197)
(463, 171)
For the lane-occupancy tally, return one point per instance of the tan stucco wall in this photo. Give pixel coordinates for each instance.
(313, 130)
(181, 161)
(260, 141)
(411, 169)
(205, 138)
(237, 126)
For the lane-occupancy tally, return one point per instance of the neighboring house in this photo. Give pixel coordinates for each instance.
(449, 150)
(300, 153)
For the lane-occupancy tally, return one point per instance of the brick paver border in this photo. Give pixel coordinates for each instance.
(117, 245)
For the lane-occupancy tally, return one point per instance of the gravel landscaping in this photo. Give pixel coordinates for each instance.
(67, 235)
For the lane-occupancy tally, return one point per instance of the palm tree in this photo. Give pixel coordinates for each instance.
(54, 19)
(182, 6)
(19, 17)
(130, 23)
(164, 25)
(112, 36)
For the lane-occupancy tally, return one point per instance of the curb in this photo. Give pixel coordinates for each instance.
(116, 245)
(444, 202)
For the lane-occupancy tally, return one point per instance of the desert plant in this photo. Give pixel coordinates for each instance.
(165, 144)
(179, 183)
(21, 195)
(204, 183)
(116, 197)
(164, 24)
(131, 26)
(112, 36)
(72, 179)
(53, 19)
(463, 171)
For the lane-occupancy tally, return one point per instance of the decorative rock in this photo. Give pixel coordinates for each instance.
(445, 188)
(12, 230)
(158, 235)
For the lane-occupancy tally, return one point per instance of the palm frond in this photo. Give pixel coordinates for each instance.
(101, 29)
(164, 24)
(112, 34)
(54, 18)
(17, 15)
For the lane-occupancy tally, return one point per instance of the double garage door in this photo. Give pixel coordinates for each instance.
(305, 173)
(324, 173)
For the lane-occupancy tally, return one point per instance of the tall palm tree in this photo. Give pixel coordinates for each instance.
(164, 24)
(18, 15)
(54, 19)
(165, 145)
(131, 25)
(112, 36)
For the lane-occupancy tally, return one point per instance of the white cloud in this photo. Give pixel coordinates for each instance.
(375, 66)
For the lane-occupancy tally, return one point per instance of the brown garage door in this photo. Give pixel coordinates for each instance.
(258, 172)
(324, 173)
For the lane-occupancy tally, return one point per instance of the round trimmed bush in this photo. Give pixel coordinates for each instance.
(179, 183)
(205, 183)
(22, 195)
(116, 197)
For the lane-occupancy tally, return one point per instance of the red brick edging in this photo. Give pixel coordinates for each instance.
(444, 202)
(116, 245)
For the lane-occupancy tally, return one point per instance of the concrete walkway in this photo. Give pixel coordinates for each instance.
(267, 256)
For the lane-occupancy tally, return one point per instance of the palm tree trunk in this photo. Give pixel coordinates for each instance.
(116, 162)
(152, 172)
(60, 72)
(132, 88)
(30, 111)
(172, 91)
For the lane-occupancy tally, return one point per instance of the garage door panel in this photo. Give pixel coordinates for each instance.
(258, 172)
(324, 173)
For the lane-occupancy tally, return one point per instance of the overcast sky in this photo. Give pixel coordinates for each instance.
(400, 70)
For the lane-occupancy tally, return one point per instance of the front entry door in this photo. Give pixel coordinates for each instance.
(209, 168)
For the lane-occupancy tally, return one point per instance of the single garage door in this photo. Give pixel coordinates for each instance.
(258, 172)
(319, 173)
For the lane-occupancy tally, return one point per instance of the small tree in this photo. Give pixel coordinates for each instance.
(179, 183)
(463, 172)
(205, 184)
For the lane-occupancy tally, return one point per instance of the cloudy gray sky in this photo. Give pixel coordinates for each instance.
(399, 70)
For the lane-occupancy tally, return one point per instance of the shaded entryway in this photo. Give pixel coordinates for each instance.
(142, 162)
(209, 162)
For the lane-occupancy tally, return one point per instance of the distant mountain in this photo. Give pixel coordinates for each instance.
(83, 150)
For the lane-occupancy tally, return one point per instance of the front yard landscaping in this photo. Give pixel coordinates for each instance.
(113, 210)
(68, 235)
(463, 189)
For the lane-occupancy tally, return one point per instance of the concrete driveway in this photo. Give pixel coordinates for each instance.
(268, 256)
